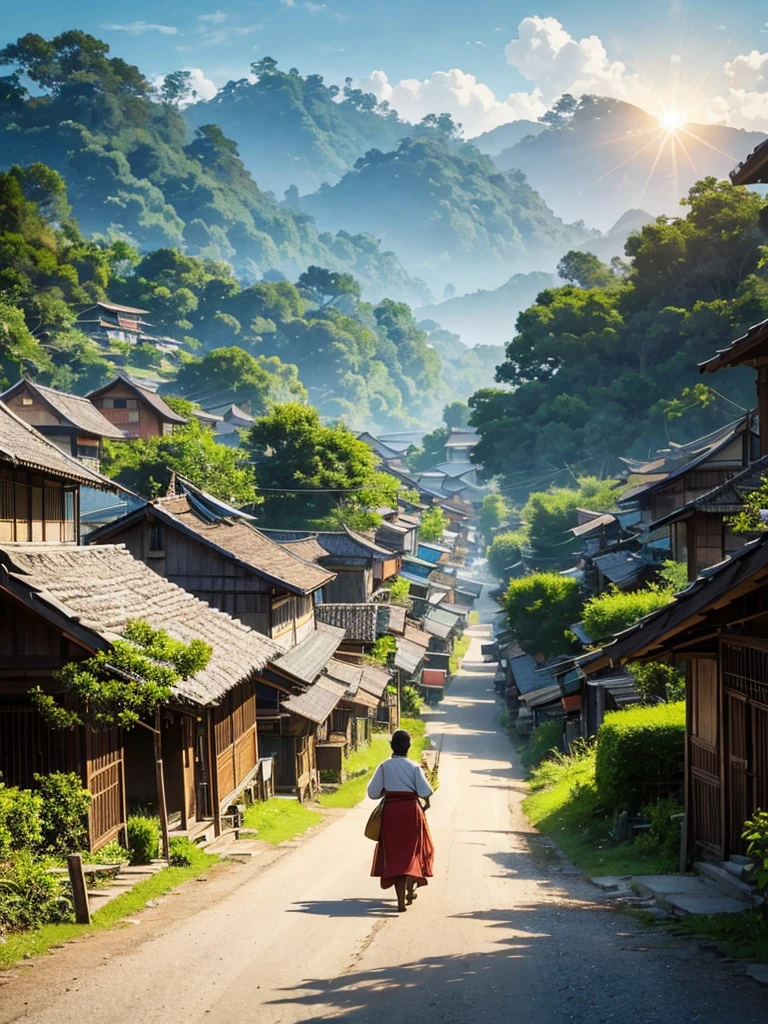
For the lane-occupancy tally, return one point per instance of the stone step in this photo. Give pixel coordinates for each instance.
(727, 882)
(736, 858)
(737, 870)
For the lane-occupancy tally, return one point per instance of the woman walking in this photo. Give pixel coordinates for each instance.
(404, 853)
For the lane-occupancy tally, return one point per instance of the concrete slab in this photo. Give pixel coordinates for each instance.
(667, 885)
(759, 972)
(609, 882)
(706, 904)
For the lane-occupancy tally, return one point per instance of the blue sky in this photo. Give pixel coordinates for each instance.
(655, 53)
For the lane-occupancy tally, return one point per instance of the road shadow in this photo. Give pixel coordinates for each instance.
(346, 908)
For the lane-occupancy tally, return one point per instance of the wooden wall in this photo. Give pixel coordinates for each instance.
(704, 759)
(141, 421)
(37, 508)
(235, 741)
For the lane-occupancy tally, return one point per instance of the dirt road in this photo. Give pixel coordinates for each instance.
(499, 935)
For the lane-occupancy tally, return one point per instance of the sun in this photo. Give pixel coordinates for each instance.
(671, 120)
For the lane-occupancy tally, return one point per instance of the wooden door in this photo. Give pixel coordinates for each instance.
(737, 770)
(104, 779)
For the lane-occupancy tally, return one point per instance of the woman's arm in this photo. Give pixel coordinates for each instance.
(376, 785)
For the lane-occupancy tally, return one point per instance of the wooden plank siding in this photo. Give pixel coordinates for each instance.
(137, 419)
(36, 508)
(235, 741)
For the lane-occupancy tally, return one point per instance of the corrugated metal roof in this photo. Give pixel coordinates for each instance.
(391, 618)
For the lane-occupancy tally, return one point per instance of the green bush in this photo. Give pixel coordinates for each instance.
(616, 610)
(663, 837)
(143, 838)
(410, 702)
(112, 853)
(540, 608)
(30, 895)
(544, 739)
(504, 552)
(640, 754)
(63, 814)
(19, 820)
(183, 852)
(399, 589)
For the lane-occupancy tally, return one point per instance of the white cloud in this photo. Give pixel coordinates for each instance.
(745, 104)
(457, 93)
(314, 8)
(203, 87)
(288, 3)
(215, 18)
(547, 55)
(137, 28)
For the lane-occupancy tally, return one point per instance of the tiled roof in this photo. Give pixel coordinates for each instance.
(315, 704)
(343, 543)
(23, 446)
(73, 409)
(416, 636)
(309, 549)
(163, 410)
(357, 620)
(247, 544)
(446, 615)
(726, 498)
(375, 680)
(310, 656)
(103, 587)
(344, 672)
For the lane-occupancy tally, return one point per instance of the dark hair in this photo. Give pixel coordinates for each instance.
(400, 742)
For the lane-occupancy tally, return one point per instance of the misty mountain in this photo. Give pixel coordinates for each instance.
(610, 155)
(488, 317)
(506, 135)
(448, 212)
(294, 130)
(611, 243)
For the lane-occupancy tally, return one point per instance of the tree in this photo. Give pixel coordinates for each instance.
(540, 608)
(326, 287)
(549, 515)
(434, 522)
(584, 269)
(504, 554)
(176, 88)
(122, 685)
(226, 375)
(307, 470)
(399, 589)
(617, 610)
(430, 452)
(494, 512)
(456, 415)
(146, 465)
(561, 113)
(265, 67)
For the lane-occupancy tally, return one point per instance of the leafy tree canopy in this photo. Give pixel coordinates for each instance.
(434, 522)
(540, 608)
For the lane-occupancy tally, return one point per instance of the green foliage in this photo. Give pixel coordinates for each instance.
(504, 552)
(112, 853)
(755, 835)
(63, 812)
(640, 754)
(30, 895)
(549, 515)
(656, 680)
(410, 702)
(310, 470)
(383, 649)
(585, 270)
(145, 465)
(545, 741)
(182, 853)
(233, 375)
(399, 589)
(279, 820)
(673, 576)
(456, 415)
(494, 513)
(750, 518)
(663, 835)
(143, 838)
(430, 452)
(124, 684)
(20, 826)
(592, 371)
(616, 610)
(434, 522)
(540, 608)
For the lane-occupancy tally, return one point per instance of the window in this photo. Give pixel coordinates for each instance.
(27, 400)
(281, 614)
(157, 540)
(86, 449)
(120, 403)
(133, 416)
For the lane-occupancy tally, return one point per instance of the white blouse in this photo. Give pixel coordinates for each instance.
(399, 775)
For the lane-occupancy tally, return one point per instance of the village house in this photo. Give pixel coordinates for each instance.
(69, 421)
(61, 603)
(137, 410)
(209, 549)
(106, 321)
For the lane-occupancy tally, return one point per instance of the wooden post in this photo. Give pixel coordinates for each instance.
(161, 805)
(213, 774)
(79, 890)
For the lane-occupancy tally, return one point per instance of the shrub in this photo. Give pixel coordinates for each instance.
(755, 835)
(410, 702)
(143, 838)
(399, 589)
(640, 753)
(540, 608)
(63, 813)
(112, 853)
(655, 680)
(19, 820)
(30, 895)
(183, 852)
(504, 552)
(545, 739)
(663, 836)
(616, 610)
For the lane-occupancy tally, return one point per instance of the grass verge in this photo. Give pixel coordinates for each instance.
(280, 820)
(564, 805)
(362, 764)
(474, 618)
(744, 935)
(25, 945)
(460, 648)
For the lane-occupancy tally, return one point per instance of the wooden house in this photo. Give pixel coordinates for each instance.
(360, 623)
(718, 628)
(137, 410)
(192, 540)
(361, 567)
(107, 321)
(69, 421)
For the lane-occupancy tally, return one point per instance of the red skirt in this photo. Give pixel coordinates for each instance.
(405, 847)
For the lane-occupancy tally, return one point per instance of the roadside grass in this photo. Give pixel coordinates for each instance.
(564, 805)
(362, 763)
(474, 618)
(460, 648)
(24, 945)
(279, 820)
(744, 935)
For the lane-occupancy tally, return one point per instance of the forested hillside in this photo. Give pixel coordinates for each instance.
(599, 157)
(133, 173)
(295, 130)
(448, 213)
(599, 365)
